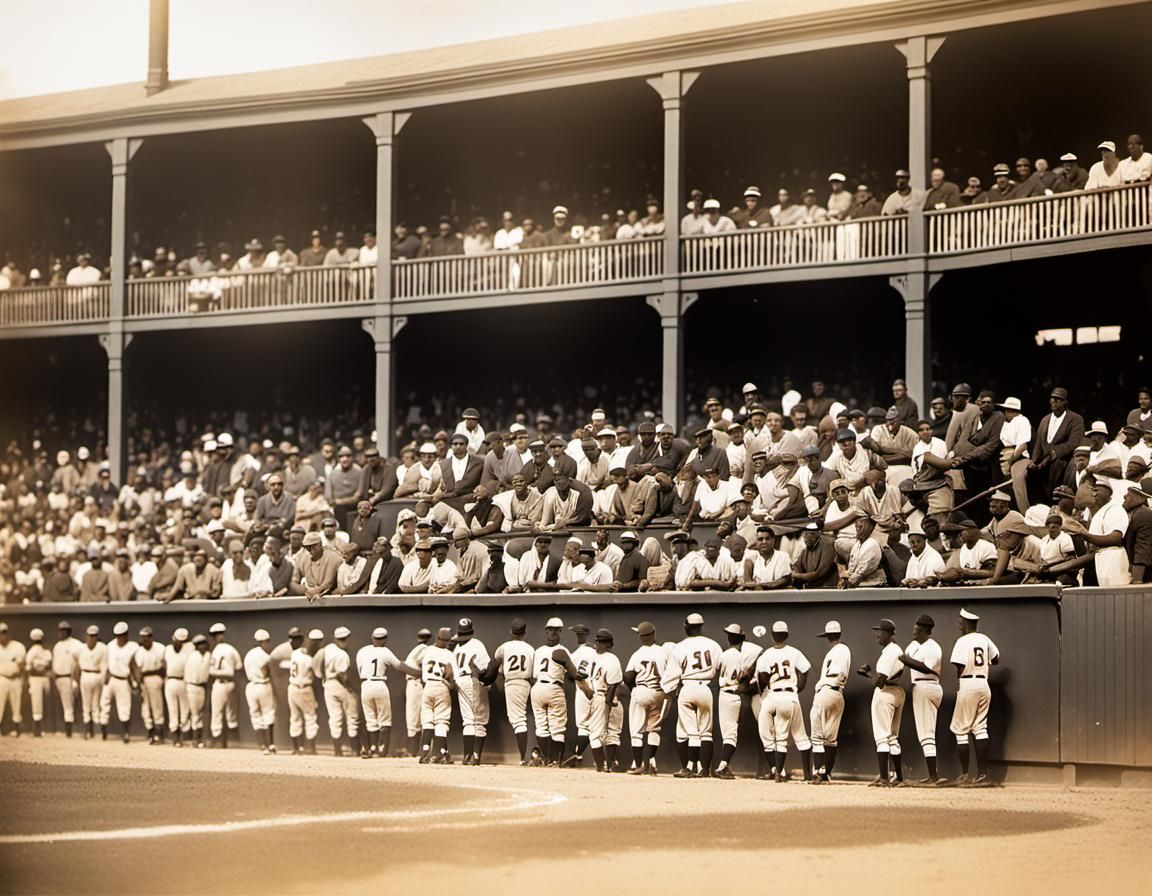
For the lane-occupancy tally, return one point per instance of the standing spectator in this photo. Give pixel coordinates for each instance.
(713, 221)
(1138, 166)
(561, 232)
(864, 205)
(1057, 435)
(942, 194)
(281, 257)
(369, 252)
(907, 412)
(785, 213)
(341, 254)
(813, 212)
(200, 264)
(839, 200)
(446, 242)
(905, 198)
(343, 484)
(84, 273)
(277, 507)
(533, 237)
(1015, 439)
(1138, 537)
(509, 236)
(405, 244)
(1074, 176)
(253, 260)
(478, 241)
(313, 255)
(753, 214)
(652, 224)
(1106, 172)
(692, 224)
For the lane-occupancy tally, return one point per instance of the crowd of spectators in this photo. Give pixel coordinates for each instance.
(810, 493)
(842, 201)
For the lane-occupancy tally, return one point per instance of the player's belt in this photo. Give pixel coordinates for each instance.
(120, 677)
(258, 681)
(223, 677)
(779, 690)
(973, 676)
(929, 680)
(64, 674)
(156, 672)
(295, 685)
(830, 687)
(375, 679)
(174, 678)
(730, 690)
(92, 671)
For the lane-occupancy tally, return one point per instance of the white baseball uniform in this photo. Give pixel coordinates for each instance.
(780, 713)
(647, 702)
(474, 708)
(226, 662)
(414, 691)
(926, 692)
(93, 667)
(338, 697)
(888, 701)
(549, 706)
(150, 662)
(196, 686)
(736, 665)
(258, 691)
(65, 666)
(372, 664)
(828, 702)
(582, 658)
(38, 662)
(436, 707)
(175, 690)
(301, 698)
(516, 658)
(605, 722)
(117, 688)
(691, 666)
(975, 653)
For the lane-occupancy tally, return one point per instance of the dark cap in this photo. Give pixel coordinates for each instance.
(961, 389)
(1060, 392)
(579, 628)
(925, 620)
(295, 632)
(885, 625)
(603, 634)
(518, 627)
(644, 628)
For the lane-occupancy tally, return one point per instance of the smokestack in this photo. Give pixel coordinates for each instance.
(157, 47)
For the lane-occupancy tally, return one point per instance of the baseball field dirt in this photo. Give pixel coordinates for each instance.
(98, 818)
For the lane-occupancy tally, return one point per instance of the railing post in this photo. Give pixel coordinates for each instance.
(672, 87)
(671, 307)
(915, 287)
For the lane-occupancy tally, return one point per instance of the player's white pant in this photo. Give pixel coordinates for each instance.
(66, 689)
(38, 694)
(152, 701)
(413, 701)
(224, 706)
(645, 710)
(728, 707)
(118, 690)
(550, 710)
(695, 711)
(827, 710)
(926, 696)
(971, 713)
(176, 700)
(780, 718)
(10, 698)
(261, 704)
(377, 702)
(91, 690)
(341, 704)
(436, 708)
(517, 692)
(887, 708)
(197, 696)
(302, 711)
(604, 723)
(474, 708)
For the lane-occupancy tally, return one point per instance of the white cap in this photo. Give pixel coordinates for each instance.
(380, 632)
(1069, 157)
(1106, 144)
(92, 630)
(836, 175)
(965, 614)
(559, 210)
(664, 427)
(517, 427)
(759, 631)
(598, 415)
(831, 627)
(316, 635)
(1099, 427)
(341, 632)
(36, 634)
(628, 535)
(428, 448)
(217, 629)
(260, 635)
(181, 634)
(82, 453)
(779, 627)
(752, 191)
(606, 431)
(210, 445)
(554, 622)
(214, 526)
(694, 619)
(120, 628)
(1011, 404)
(224, 440)
(915, 529)
(710, 204)
(749, 387)
(734, 628)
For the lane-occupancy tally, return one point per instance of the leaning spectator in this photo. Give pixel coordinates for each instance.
(313, 255)
(1106, 172)
(84, 273)
(753, 214)
(713, 221)
(905, 197)
(813, 212)
(341, 254)
(1138, 166)
(864, 205)
(369, 252)
(839, 200)
(200, 264)
(630, 228)
(785, 213)
(446, 242)
(253, 260)
(479, 238)
(652, 224)
(509, 236)
(1073, 175)
(281, 257)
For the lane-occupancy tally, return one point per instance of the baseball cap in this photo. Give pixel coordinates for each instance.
(64, 625)
(554, 622)
(967, 614)
(444, 633)
(779, 627)
(146, 631)
(260, 634)
(312, 538)
(464, 626)
(734, 628)
(341, 632)
(925, 620)
(295, 632)
(217, 629)
(200, 639)
(37, 634)
(424, 633)
(831, 627)
(603, 634)
(885, 625)
(316, 634)
(579, 628)
(644, 628)
(120, 628)
(92, 630)
(379, 632)
(518, 627)
(694, 619)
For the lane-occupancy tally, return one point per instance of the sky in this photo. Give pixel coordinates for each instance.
(83, 44)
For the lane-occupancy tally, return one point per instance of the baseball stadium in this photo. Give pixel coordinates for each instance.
(498, 451)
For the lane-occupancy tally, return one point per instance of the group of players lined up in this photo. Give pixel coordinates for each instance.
(184, 677)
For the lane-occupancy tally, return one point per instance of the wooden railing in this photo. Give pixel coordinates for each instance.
(1040, 219)
(591, 264)
(54, 305)
(802, 245)
(250, 291)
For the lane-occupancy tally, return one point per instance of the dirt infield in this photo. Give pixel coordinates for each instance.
(106, 818)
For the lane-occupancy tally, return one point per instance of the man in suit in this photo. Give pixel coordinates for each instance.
(1057, 435)
(460, 472)
(978, 452)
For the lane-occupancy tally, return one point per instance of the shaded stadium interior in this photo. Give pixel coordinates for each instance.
(1037, 89)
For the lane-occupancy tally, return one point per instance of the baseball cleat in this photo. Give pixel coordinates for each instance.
(573, 761)
(639, 770)
(880, 782)
(725, 774)
(979, 781)
(684, 773)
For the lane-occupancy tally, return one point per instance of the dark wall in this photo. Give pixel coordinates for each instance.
(1022, 621)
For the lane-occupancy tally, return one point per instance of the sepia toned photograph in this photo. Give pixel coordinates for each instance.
(494, 448)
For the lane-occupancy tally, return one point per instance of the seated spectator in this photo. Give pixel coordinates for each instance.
(864, 204)
(814, 213)
(839, 200)
(406, 245)
(84, 273)
(253, 259)
(509, 236)
(1106, 172)
(652, 224)
(314, 254)
(1002, 188)
(972, 191)
(905, 197)
(281, 257)
(942, 193)
(478, 240)
(785, 213)
(1137, 167)
(369, 252)
(753, 214)
(1074, 177)
(341, 254)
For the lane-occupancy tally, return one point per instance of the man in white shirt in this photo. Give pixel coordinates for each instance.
(713, 221)
(1106, 172)
(369, 252)
(864, 570)
(1138, 166)
(923, 658)
(84, 274)
(925, 564)
(1105, 536)
(828, 703)
(781, 673)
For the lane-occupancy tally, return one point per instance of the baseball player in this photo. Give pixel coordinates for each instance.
(66, 672)
(923, 657)
(642, 675)
(302, 671)
(338, 697)
(226, 662)
(606, 715)
(514, 660)
(691, 666)
(196, 669)
(258, 691)
(436, 706)
(471, 659)
(148, 673)
(372, 662)
(38, 663)
(175, 690)
(93, 662)
(828, 703)
(737, 668)
(973, 655)
(582, 658)
(118, 682)
(551, 663)
(12, 655)
(414, 692)
(781, 673)
(887, 703)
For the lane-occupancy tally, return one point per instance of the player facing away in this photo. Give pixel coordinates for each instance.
(923, 658)
(645, 707)
(258, 692)
(887, 704)
(372, 662)
(782, 672)
(828, 703)
(471, 658)
(513, 659)
(692, 665)
(605, 714)
(582, 658)
(973, 655)
(737, 669)
(436, 709)
(549, 706)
